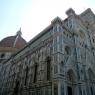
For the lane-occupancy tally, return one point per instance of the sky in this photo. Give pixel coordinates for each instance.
(33, 16)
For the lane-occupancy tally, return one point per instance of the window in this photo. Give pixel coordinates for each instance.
(62, 88)
(71, 76)
(48, 60)
(93, 40)
(61, 66)
(16, 88)
(55, 29)
(48, 91)
(62, 63)
(35, 72)
(26, 76)
(91, 90)
(55, 68)
(69, 90)
(67, 50)
(2, 55)
(55, 89)
(81, 33)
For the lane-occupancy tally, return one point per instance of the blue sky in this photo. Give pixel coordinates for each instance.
(35, 15)
(11, 14)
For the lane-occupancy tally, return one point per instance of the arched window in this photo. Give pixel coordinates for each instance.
(91, 75)
(48, 60)
(55, 89)
(61, 66)
(67, 50)
(91, 79)
(71, 76)
(26, 74)
(15, 92)
(71, 80)
(35, 72)
(2, 55)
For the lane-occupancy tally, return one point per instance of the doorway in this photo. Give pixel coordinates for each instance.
(69, 90)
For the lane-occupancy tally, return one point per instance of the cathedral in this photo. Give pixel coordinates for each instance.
(60, 60)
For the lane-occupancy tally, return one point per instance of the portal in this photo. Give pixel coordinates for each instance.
(69, 90)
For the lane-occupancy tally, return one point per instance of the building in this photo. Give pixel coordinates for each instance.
(58, 61)
(10, 45)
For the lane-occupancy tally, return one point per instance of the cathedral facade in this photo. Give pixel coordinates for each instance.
(58, 61)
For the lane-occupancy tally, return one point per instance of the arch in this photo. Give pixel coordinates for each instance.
(91, 75)
(16, 89)
(71, 79)
(2, 55)
(71, 76)
(48, 61)
(67, 50)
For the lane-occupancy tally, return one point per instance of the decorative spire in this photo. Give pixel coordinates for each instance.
(56, 20)
(19, 33)
(70, 12)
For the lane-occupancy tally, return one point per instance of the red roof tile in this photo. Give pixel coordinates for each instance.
(9, 42)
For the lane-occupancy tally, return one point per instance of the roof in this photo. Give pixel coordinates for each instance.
(13, 41)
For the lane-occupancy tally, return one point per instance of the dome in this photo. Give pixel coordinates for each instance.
(13, 41)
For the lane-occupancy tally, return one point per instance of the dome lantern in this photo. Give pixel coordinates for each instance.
(19, 33)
